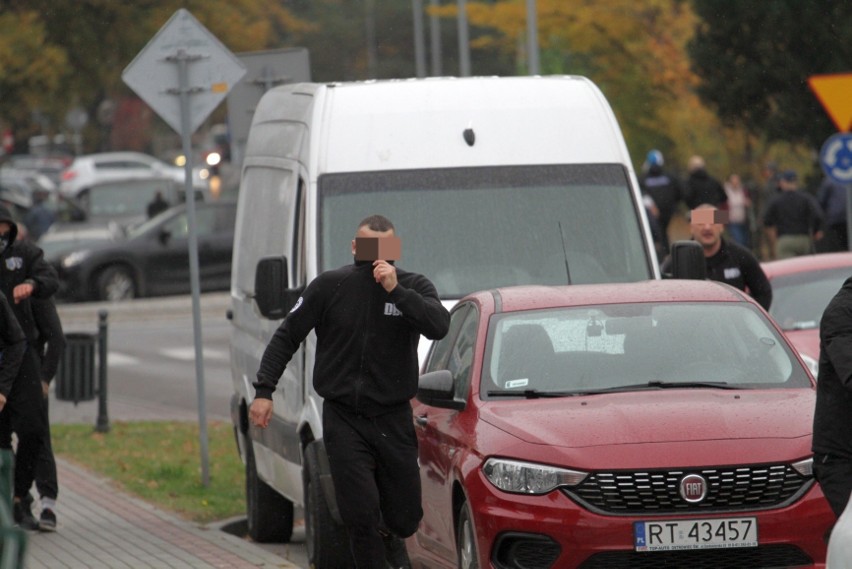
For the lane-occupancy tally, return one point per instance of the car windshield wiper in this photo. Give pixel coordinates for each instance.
(663, 385)
(532, 393)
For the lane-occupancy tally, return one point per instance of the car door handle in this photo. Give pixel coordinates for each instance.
(421, 421)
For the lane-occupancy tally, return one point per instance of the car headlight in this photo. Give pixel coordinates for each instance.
(812, 364)
(528, 478)
(74, 258)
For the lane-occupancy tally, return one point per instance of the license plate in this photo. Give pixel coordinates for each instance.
(673, 535)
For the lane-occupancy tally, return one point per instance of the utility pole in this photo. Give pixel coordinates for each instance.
(419, 38)
(532, 38)
(464, 40)
(435, 33)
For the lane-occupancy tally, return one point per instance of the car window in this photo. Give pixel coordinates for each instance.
(799, 300)
(205, 223)
(461, 355)
(442, 349)
(592, 348)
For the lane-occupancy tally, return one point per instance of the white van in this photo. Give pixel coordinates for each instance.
(489, 182)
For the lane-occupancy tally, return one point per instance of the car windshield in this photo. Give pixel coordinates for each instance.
(473, 228)
(636, 346)
(799, 300)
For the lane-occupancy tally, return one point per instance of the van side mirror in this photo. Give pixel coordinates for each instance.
(273, 298)
(436, 388)
(688, 261)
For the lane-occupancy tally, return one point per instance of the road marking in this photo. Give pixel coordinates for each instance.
(188, 354)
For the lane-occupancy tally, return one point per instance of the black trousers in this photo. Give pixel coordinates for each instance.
(376, 477)
(25, 414)
(834, 475)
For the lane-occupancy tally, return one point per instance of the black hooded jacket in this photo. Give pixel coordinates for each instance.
(23, 262)
(833, 413)
(13, 345)
(366, 353)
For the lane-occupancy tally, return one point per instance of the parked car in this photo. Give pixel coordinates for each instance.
(90, 169)
(801, 289)
(654, 424)
(149, 259)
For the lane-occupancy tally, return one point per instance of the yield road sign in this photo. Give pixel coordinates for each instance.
(212, 70)
(835, 93)
(835, 157)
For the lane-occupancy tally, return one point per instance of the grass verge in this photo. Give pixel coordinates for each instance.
(160, 462)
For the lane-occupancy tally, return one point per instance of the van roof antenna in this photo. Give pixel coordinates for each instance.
(564, 251)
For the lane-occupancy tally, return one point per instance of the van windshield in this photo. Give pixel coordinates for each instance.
(468, 229)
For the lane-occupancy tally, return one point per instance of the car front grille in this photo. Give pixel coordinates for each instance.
(763, 557)
(653, 492)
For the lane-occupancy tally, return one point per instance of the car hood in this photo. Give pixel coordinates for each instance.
(685, 415)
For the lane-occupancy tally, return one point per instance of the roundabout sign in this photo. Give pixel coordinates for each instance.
(835, 157)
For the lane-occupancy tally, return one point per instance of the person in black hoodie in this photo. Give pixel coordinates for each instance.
(832, 438)
(368, 318)
(23, 274)
(701, 187)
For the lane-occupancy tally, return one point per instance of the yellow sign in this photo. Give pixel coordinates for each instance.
(835, 93)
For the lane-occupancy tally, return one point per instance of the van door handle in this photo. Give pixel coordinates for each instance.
(421, 421)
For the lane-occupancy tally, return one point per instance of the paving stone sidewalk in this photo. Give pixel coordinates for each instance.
(103, 528)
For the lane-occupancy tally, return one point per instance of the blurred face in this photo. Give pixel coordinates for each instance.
(707, 234)
(387, 248)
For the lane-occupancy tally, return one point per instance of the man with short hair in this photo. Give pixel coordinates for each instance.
(368, 318)
(792, 220)
(725, 260)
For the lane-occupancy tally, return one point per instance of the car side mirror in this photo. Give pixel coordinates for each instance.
(437, 389)
(688, 261)
(274, 300)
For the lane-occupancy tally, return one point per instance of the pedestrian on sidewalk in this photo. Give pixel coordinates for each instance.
(368, 318)
(50, 347)
(24, 274)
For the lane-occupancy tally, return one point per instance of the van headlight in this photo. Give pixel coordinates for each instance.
(527, 477)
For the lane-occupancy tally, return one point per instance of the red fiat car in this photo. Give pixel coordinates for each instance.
(641, 425)
(801, 289)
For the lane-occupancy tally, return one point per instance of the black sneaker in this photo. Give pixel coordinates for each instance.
(47, 520)
(24, 517)
(396, 554)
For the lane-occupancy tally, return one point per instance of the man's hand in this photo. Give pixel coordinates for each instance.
(45, 388)
(2, 401)
(22, 291)
(385, 274)
(260, 412)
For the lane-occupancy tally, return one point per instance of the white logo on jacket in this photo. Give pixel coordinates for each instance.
(732, 273)
(14, 263)
(392, 310)
(297, 305)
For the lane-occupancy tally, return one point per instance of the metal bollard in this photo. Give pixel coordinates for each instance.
(102, 425)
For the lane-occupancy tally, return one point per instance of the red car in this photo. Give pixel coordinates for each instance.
(801, 289)
(642, 425)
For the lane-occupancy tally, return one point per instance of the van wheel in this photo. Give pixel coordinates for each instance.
(466, 553)
(269, 514)
(116, 283)
(326, 541)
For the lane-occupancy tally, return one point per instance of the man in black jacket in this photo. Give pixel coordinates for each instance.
(726, 261)
(832, 439)
(23, 274)
(368, 318)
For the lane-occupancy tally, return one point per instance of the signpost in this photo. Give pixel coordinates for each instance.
(183, 74)
(834, 91)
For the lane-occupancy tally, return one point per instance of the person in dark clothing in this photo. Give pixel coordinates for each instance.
(832, 438)
(49, 347)
(158, 205)
(701, 187)
(728, 262)
(368, 318)
(23, 274)
(792, 220)
(832, 199)
(664, 190)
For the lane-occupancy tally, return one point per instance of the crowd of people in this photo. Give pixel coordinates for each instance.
(776, 221)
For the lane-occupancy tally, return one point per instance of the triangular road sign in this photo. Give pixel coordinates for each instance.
(835, 93)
